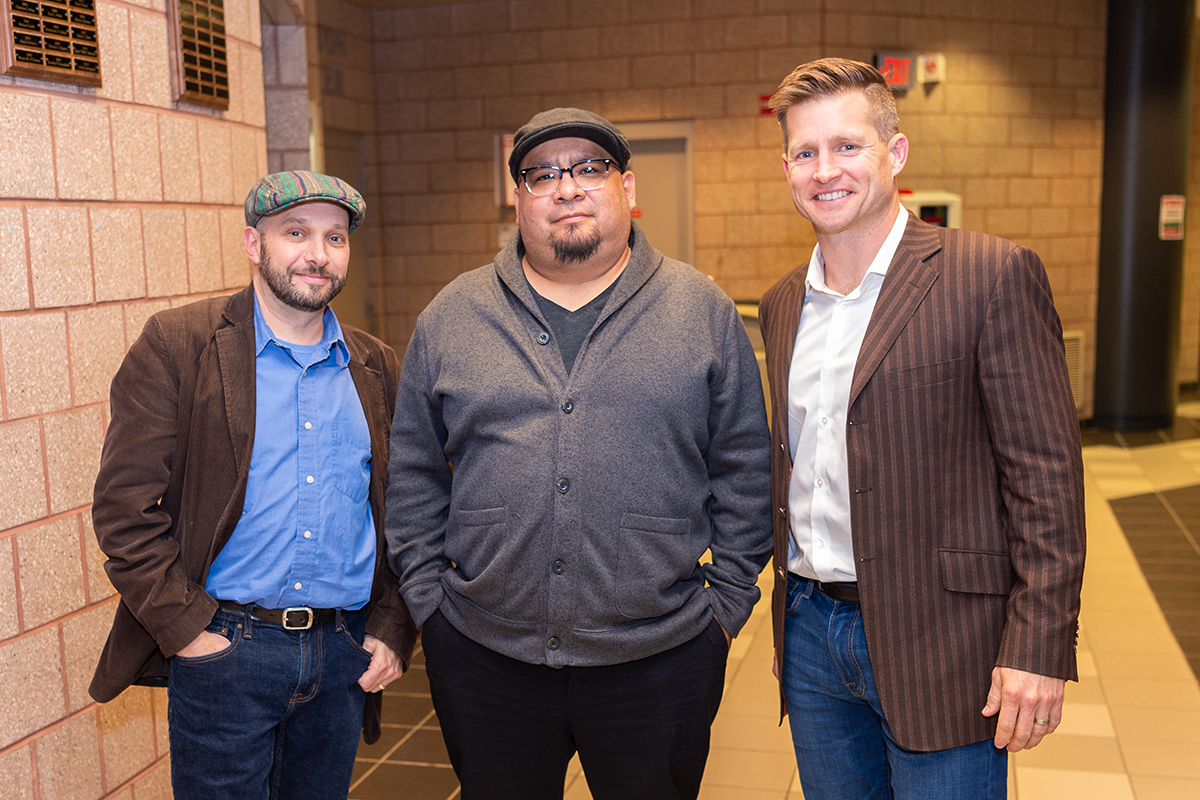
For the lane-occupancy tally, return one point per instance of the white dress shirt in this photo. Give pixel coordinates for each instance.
(832, 327)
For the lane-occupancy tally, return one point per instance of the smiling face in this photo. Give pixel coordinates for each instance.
(842, 174)
(301, 255)
(571, 228)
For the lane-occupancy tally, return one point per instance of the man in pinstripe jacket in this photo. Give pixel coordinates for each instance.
(926, 473)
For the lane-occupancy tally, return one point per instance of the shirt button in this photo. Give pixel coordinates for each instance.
(308, 426)
(543, 338)
(558, 567)
(824, 420)
(308, 534)
(309, 479)
(568, 407)
(820, 542)
(298, 585)
(820, 482)
(562, 484)
(552, 643)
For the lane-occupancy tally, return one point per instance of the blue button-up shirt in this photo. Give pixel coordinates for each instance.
(306, 536)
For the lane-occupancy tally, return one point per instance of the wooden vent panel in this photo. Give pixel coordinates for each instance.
(201, 60)
(54, 40)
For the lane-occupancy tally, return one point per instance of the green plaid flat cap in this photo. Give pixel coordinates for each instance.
(280, 190)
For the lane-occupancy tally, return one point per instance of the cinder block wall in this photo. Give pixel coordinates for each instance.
(114, 203)
(1016, 128)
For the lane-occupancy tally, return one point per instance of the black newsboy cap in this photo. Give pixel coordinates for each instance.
(563, 122)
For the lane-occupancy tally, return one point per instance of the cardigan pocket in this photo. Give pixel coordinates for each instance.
(976, 571)
(656, 565)
(475, 542)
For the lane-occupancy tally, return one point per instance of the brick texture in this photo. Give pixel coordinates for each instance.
(115, 203)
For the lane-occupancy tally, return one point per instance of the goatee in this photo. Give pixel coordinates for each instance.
(575, 248)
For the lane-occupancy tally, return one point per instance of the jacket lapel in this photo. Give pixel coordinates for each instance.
(235, 354)
(909, 278)
(779, 358)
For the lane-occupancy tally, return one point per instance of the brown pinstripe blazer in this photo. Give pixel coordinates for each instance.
(965, 473)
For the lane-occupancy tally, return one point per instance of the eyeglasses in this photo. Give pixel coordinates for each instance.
(588, 175)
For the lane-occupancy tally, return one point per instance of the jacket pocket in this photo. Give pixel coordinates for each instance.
(656, 560)
(976, 571)
(927, 374)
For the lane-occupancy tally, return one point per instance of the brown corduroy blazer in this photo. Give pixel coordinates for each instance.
(173, 476)
(966, 479)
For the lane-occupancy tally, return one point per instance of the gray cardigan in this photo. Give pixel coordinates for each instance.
(559, 519)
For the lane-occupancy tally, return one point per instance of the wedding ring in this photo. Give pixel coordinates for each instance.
(1037, 721)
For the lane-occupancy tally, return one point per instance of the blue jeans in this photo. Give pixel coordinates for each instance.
(277, 714)
(844, 747)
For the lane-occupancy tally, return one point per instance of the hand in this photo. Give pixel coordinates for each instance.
(1022, 699)
(384, 667)
(204, 644)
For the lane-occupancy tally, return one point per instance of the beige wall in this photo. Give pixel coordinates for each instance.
(348, 118)
(114, 203)
(1016, 128)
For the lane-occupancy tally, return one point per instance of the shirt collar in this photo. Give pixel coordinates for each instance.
(332, 342)
(815, 279)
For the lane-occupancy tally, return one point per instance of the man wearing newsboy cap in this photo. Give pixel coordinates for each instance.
(577, 424)
(240, 504)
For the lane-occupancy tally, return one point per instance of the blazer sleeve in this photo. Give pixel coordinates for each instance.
(1035, 434)
(390, 621)
(132, 526)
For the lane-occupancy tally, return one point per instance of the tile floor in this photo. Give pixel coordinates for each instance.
(1131, 725)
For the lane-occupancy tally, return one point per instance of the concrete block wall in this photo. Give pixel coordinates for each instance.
(1016, 128)
(348, 113)
(115, 203)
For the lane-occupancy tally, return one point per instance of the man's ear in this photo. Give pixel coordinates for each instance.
(251, 239)
(898, 149)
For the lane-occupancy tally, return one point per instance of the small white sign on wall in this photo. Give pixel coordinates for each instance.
(1170, 217)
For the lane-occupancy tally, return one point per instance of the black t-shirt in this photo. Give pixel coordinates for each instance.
(570, 328)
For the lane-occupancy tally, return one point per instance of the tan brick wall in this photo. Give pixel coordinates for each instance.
(114, 203)
(1189, 340)
(349, 113)
(1016, 128)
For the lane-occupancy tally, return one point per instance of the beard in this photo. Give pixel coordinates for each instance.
(575, 247)
(298, 296)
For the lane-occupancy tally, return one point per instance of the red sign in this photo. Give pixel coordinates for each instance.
(764, 108)
(896, 69)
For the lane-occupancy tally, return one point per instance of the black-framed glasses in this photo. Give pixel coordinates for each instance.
(588, 175)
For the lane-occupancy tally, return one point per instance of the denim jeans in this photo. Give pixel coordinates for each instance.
(844, 747)
(275, 715)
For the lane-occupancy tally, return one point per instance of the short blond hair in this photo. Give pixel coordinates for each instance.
(827, 77)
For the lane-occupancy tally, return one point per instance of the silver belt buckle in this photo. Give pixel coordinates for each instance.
(287, 626)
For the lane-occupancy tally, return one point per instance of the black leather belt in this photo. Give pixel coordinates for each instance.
(842, 592)
(295, 618)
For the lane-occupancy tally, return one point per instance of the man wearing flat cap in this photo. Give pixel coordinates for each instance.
(577, 423)
(240, 503)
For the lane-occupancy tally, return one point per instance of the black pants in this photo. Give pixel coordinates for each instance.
(641, 728)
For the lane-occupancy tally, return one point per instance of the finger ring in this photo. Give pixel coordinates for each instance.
(1037, 721)
(382, 686)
